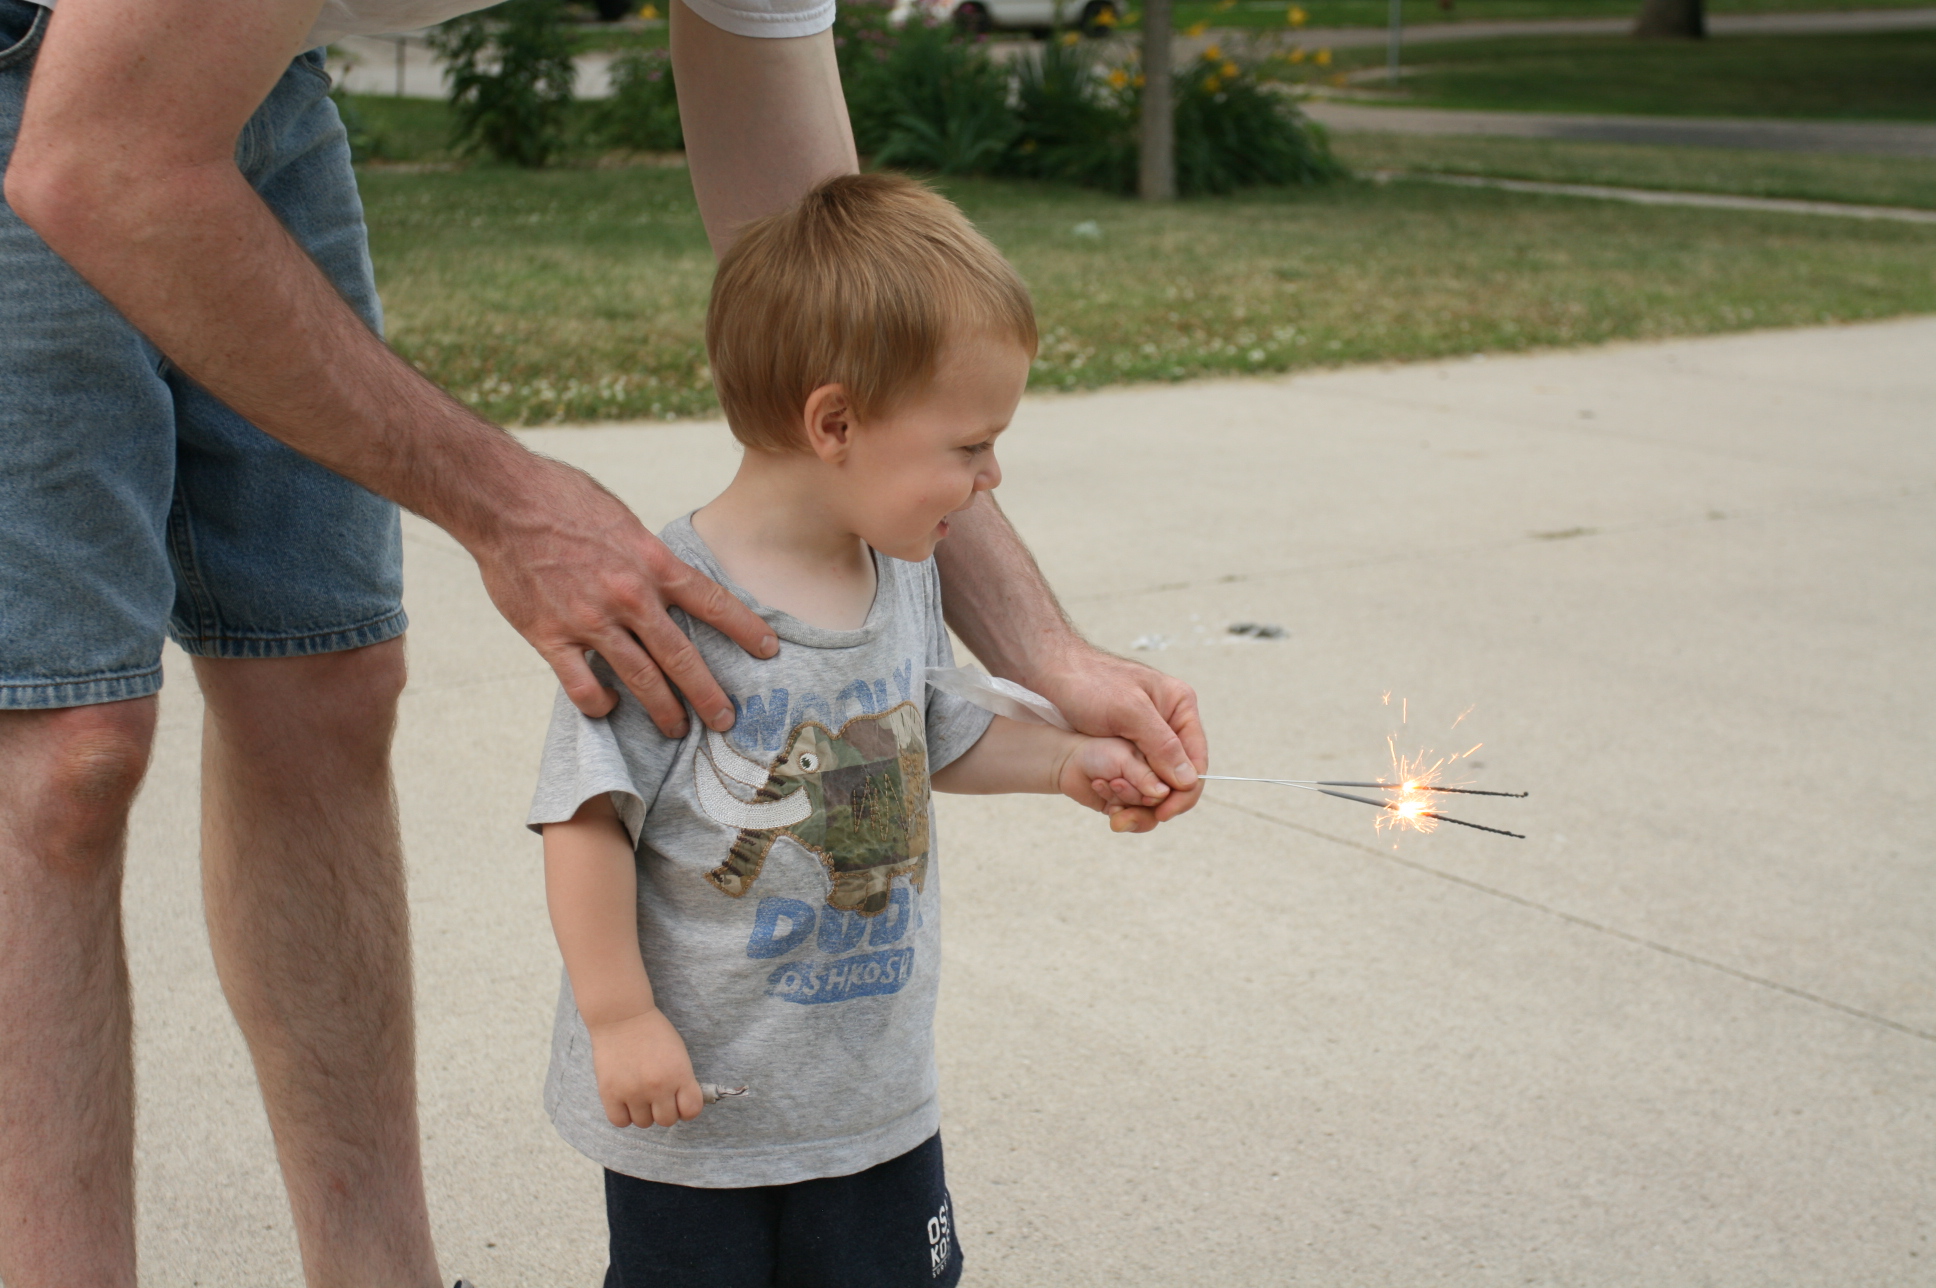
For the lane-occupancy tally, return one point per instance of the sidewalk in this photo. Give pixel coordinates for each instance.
(1721, 24)
(1684, 1034)
(1848, 137)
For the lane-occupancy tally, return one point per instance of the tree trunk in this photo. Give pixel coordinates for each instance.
(1672, 20)
(1157, 180)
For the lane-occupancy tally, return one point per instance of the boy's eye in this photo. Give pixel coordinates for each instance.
(976, 449)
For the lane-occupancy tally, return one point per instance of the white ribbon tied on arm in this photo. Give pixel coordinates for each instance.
(992, 693)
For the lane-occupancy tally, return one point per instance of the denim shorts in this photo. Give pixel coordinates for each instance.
(132, 503)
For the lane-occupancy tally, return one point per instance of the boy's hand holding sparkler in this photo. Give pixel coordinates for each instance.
(1106, 774)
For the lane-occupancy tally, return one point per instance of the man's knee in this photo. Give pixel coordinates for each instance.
(73, 773)
(346, 697)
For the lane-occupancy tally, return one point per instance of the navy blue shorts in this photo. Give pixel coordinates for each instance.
(891, 1226)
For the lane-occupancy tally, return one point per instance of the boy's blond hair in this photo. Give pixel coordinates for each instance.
(859, 284)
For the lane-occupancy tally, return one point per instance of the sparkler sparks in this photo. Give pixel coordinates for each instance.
(1412, 779)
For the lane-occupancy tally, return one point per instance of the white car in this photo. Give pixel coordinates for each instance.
(1039, 17)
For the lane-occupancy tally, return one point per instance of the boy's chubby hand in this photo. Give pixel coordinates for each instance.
(644, 1074)
(1110, 775)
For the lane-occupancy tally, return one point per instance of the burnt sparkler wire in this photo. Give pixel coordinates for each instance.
(1312, 785)
(1424, 787)
(1390, 787)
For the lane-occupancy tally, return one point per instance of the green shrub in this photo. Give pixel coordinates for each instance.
(1076, 126)
(1081, 125)
(511, 80)
(928, 98)
(1232, 131)
(643, 111)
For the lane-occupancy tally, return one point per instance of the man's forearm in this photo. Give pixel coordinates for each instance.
(996, 598)
(764, 119)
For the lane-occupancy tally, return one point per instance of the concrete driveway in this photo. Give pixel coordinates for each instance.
(1684, 1034)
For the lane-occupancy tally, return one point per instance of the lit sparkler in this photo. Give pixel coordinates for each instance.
(1413, 778)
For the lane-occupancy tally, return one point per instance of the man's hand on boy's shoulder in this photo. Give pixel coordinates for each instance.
(572, 568)
(1108, 696)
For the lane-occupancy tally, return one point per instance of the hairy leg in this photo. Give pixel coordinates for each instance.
(302, 873)
(67, 778)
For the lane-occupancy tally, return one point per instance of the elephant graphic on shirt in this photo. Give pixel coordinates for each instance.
(857, 799)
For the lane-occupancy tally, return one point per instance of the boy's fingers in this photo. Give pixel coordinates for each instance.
(1132, 818)
(690, 1100)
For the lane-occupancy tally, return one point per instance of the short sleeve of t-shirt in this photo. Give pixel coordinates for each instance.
(622, 754)
(954, 724)
(767, 17)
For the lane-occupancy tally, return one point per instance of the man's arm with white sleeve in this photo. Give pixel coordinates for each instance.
(125, 166)
(764, 121)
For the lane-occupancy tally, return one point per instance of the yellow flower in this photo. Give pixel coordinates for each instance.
(1104, 18)
(1229, 71)
(1118, 78)
(1323, 58)
(649, 12)
(1071, 37)
(1211, 84)
(1211, 53)
(1296, 16)
(1296, 55)
(1196, 29)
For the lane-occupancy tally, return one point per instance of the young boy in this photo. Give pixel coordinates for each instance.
(759, 911)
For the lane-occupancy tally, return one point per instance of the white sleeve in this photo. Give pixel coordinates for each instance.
(767, 17)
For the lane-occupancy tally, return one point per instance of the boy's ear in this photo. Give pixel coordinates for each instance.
(828, 421)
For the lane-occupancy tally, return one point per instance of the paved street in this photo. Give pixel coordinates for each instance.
(1870, 138)
(1683, 1034)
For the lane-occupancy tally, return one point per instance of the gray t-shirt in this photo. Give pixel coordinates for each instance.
(788, 894)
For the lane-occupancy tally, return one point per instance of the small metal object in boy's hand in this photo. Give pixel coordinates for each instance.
(714, 1093)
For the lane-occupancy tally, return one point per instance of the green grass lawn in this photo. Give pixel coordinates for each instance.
(1883, 181)
(1891, 76)
(578, 294)
(1268, 14)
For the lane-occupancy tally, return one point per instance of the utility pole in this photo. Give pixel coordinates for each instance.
(1157, 180)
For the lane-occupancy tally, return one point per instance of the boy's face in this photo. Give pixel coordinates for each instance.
(907, 471)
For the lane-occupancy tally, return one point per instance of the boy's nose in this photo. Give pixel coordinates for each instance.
(990, 477)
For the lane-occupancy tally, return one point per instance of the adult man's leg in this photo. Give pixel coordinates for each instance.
(303, 877)
(67, 777)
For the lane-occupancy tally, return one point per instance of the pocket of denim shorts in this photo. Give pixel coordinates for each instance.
(316, 63)
(21, 27)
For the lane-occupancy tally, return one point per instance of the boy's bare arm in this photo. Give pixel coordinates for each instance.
(644, 1074)
(1106, 774)
(1003, 609)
